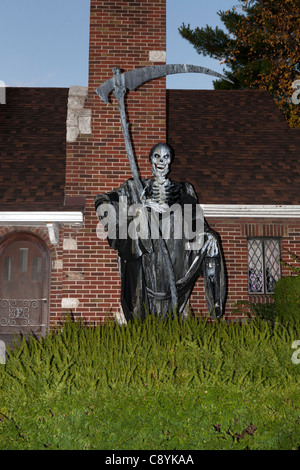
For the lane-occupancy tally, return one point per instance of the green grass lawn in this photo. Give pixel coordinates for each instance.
(171, 385)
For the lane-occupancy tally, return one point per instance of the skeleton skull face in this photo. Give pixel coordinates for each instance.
(160, 157)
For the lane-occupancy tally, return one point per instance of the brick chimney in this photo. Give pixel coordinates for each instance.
(127, 34)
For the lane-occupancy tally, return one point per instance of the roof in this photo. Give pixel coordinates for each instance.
(235, 147)
(33, 148)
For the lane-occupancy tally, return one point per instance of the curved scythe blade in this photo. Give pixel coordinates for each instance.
(137, 77)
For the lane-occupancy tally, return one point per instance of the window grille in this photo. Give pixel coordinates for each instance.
(263, 265)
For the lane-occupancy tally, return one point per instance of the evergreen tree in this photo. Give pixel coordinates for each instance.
(261, 49)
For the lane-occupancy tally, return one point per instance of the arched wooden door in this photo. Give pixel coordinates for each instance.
(24, 285)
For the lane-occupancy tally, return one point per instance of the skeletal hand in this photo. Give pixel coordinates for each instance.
(210, 246)
(101, 231)
(157, 206)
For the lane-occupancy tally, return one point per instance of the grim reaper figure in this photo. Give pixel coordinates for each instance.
(163, 243)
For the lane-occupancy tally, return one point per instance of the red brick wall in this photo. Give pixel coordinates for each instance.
(122, 33)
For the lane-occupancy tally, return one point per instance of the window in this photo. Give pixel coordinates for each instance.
(263, 264)
(37, 268)
(8, 268)
(23, 260)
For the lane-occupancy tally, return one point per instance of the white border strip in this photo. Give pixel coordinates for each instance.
(210, 210)
(236, 210)
(40, 218)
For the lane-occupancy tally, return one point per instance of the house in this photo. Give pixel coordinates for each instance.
(61, 147)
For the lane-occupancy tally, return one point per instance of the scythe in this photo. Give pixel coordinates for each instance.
(131, 80)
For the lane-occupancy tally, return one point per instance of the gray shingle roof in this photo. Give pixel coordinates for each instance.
(33, 148)
(235, 147)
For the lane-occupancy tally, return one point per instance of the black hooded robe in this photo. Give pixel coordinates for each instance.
(145, 286)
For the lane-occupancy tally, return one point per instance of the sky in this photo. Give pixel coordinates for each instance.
(44, 43)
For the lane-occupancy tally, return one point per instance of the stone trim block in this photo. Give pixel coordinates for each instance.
(67, 302)
(157, 56)
(79, 118)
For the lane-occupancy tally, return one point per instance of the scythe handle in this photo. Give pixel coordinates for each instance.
(119, 92)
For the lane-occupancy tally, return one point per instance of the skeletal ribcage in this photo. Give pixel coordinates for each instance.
(165, 192)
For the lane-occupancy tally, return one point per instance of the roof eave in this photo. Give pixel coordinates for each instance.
(41, 217)
(251, 210)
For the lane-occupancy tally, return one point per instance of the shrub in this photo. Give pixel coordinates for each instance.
(287, 299)
(261, 311)
(265, 311)
(158, 385)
